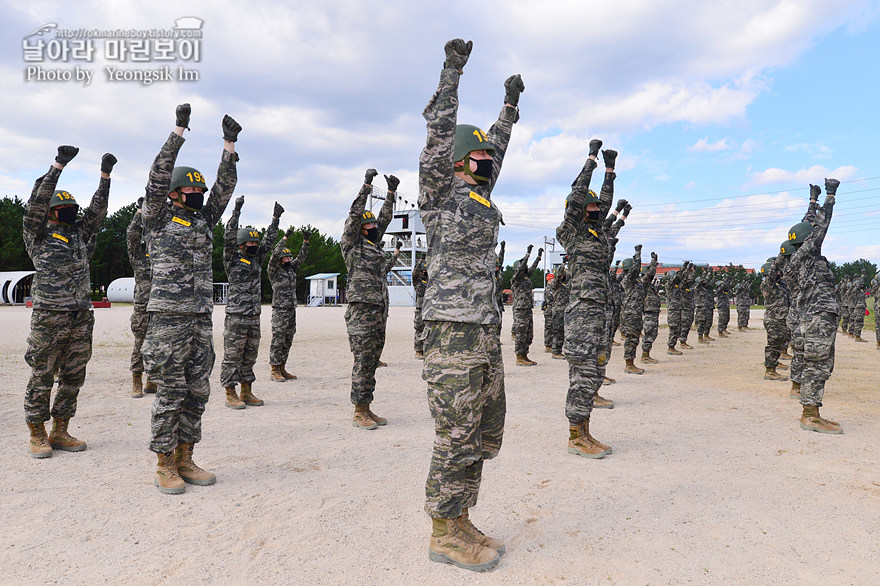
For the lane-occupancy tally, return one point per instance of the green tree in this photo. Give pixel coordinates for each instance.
(13, 256)
(110, 260)
(855, 268)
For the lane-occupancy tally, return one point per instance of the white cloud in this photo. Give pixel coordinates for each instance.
(815, 174)
(704, 146)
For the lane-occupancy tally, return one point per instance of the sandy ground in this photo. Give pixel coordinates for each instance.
(711, 480)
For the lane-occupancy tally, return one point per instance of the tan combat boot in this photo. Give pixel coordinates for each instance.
(376, 418)
(275, 374)
(702, 339)
(780, 366)
(188, 470)
(383, 363)
(609, 381)
(558, 356)
(580, 445)
(646, 358)
(362, 418)
(673, 351)
(286, 374)
(795, 392)
(686, 346)
(548, 349)
(61, 440)
(771, 374)
(420, 355)
(465, 524)
(39, 442)
(859, 339)
(166, 477)
(137, 385)
(723, 334)
(150, 387)
(232, 400)
(631, 367)
(709, 338)
(785, 355)
(248, 397)
(451, 545)
(594, 441)
(600, 402)
(524, 360)
(811, 421)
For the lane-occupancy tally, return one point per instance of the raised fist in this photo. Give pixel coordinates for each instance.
(276, 213)
(610, 157)
(831, 186)
(140, 201)
(231, 128)
(815, 192)
(107, 162)
(369, 176)
(457, 53)
(627, 209)
(306, 235)
(239, 201)
(654, 256)
(291, 231)
(66, 154)
(540, 252)
(513, 87)
(182, 112)
(529, 248)
(595, 145)
(621, 203)
(392, 183)
(638, 247)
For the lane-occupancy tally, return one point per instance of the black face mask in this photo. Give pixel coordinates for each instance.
(373, 235)
(285, 263)
(66, 216)
(193, 201)
(251, 249)
(483, 172)
(595, 215)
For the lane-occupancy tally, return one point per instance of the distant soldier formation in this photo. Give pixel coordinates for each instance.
(459, 303)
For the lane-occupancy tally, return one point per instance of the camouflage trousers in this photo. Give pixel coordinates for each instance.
(777, 341)
(687, 320)
(857, 320)
(60, 341)
(796, 366)
(419, 327)
(723, 316)
(614, 324)
(523, 329)
(139, 321)
(742, 316)
(845, 315)
(703, 316)
(651, 321)
(178, 356)
(283, 331)
(366, 337)
(241, 343)
(631, 328)
(548, 327)
(558, 329)
(465, 376)
(820, 331)
(586, 332)
(673, 318)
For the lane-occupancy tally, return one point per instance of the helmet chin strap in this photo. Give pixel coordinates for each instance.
(469, 173)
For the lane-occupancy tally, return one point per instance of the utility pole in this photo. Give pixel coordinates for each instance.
(549, 246)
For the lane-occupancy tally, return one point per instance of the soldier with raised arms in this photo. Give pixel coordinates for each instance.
(140, 263)
(282, 270)
(463, 368)
(60, 246)
(523, 303)
(179, 346)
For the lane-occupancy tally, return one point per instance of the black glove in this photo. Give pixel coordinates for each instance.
(503, 244)
(595, 145)
(831, 186)
(513, 87)
(140, 202)
(306, 235)
(290, 232)
(66, 154)
(457, 53)
(654, 256)
(392, 182)
(231, 128)
(638, 247)
(398, 245)
(369, 176)
(617, 263)
(239, 201)
(621, 203)
(610, 157)
(182, 112)
(815, 192)
(107, 162)
(530, 247)
(627, 209)
(540, 252)
(276, 213)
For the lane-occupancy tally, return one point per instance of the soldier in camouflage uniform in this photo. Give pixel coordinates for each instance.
(775, 312)
(282, 270)
(651, 315)
(178, 349)
(561, 299)
(704, 305)
(420, 281)
(793, 316)
(841, 290)
(722, 302)
(859, 305)
(875, 292)
(743, 302)
(687, 305)
(523, 302)
(367, 302)
(140, 263)
(62, 320)
(673, 308)
(547, 308)
(617, 294)
(820, 311)
(463, 367)
(390, 263)
(612, 229)
(243, 257)
(499, 285)
(632, 310)
(586, 331)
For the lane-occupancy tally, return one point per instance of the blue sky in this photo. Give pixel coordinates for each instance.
(723, 112)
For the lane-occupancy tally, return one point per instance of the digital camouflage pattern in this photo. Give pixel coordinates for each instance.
(743, 292)
(858, 306)
(547, 308)
(241, 343)
(723, 304)
(420, 282)
(875, 292)
(463, 366)
(704, 303)
(673, 307)
(842, 292)
(562, 297)
(465, 376)
(140, 263)
(364, 260)
(363, 322)
(283, 280)
(775, 313)
(687, 304)
(633, 306)
(585, 335)
(523, 302)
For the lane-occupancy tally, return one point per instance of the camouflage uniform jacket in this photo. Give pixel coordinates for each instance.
(521, 283)
(814, 276)
(687, 290)
(611, 229)
(138, 257)
(585, 242)
(283, 279)
(562, 293)
(61, 253)
(365, 260)
(743, 292)
(673, 292)
(652, 296)
(773, 290)
(634, 290)
(549, 295)
(704, 294)
(244, 272)
(420, 281)
(723, 292)
(180, 242)
(499, 280)
(859, 291)
(460, 219)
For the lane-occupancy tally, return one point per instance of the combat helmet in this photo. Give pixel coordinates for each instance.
(765, 268)
(248, 234)
(186, 177)
(368, 218)
(786, 248)
(470, 138)
(61, 198)
(799, 232)
(627, 264)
